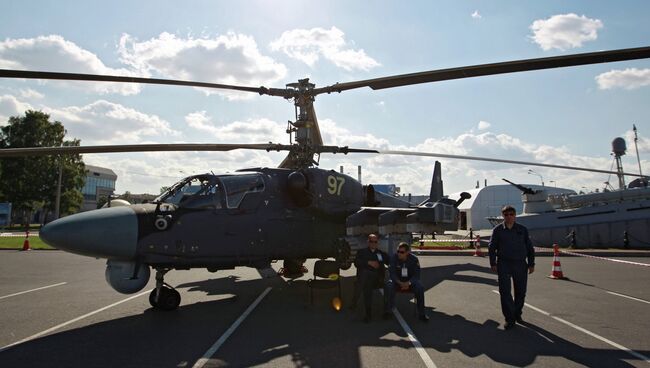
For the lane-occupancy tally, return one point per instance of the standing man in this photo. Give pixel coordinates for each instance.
(512, 256)
(370, 263)
(404, 273)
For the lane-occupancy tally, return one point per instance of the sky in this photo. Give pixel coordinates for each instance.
(563, 116)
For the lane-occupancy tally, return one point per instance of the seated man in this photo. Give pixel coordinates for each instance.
(370, 273)
(404, 273)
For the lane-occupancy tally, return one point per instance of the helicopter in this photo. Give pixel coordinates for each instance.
(256, 216)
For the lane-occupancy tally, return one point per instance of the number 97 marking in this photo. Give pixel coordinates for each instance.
(335, 184)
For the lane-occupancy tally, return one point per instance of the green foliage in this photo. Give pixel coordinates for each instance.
(101, 201)
(31, 182)
(126, 196)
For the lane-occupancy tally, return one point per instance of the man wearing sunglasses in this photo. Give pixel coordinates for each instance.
(404, 273)
(512, 256)
(370, 263)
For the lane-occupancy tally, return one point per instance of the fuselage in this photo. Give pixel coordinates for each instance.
(220, 221)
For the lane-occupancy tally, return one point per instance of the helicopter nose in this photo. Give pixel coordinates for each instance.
(105, 233)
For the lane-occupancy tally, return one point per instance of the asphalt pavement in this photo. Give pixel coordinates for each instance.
(60, 311)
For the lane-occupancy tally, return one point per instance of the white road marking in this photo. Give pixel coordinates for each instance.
(414, 340)
(71, 321)
(213, 349)
(592, 334)
(629, 297)
(29, 291)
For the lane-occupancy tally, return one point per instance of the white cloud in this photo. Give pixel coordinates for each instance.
(308, 45)
(476, 15)
(630, 78)
(54, 53)
(226, 59)
(482, 125)
(30, 94)
(565, 31)
(11, 106)
(250, 131)
(104, 122)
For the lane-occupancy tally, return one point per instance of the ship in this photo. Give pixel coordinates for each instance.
(606, 219)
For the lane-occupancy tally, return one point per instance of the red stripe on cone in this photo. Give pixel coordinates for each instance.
(556, 269)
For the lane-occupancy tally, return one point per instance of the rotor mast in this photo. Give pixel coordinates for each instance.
(304, 129)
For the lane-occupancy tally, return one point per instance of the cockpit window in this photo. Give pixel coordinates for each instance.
(194, 192)
(237, 186)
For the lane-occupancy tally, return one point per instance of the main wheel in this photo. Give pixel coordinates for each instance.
(169, 299)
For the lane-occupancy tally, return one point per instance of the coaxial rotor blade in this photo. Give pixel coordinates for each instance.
(477, 158)
(28, 74)
(491, 69)
(40, 151)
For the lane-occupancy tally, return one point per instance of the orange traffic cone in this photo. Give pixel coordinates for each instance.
(26, 242)
(556, 270)
(477, 247)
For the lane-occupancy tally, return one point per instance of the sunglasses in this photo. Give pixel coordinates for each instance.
(508, 214)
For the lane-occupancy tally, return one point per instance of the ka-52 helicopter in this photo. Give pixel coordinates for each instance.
(259, 215)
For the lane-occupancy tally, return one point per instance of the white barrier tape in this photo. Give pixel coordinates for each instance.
(452, 241)
(538, 249)
(606, 259)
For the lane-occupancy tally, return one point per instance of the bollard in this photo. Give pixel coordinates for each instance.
(477, 247)
(471, 237)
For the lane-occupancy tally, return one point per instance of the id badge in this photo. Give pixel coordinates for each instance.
(379, 258)
(405, 272)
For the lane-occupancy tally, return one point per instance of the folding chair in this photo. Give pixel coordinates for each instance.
(326, 275)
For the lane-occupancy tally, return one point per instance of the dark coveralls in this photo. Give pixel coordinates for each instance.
(368, 278)
(409, 270)
(512, 252)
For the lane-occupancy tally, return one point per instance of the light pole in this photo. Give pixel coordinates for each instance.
(530, 171)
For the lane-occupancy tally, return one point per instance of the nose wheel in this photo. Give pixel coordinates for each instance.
(164, 297)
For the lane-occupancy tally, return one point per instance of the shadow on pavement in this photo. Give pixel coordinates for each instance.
(286, 330)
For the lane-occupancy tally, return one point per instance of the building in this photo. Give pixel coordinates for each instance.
(489, 200)
(100, 182)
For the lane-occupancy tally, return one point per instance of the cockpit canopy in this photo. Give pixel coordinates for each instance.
(212, 191)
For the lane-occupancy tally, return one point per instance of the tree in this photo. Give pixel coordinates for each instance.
(31, 182)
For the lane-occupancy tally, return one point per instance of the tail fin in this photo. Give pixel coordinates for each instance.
(436, 184)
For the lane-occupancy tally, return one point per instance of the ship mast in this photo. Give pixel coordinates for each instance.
(636, 147)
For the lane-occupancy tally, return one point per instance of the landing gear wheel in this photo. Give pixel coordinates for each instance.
(169, 299)
(293, 268)
(164, 297)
